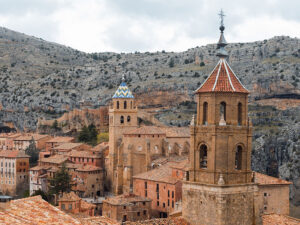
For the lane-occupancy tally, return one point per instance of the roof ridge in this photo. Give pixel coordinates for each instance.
(217, 77)
(236, 76)
(224, 61)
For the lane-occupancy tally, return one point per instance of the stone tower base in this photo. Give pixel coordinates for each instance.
(205, 204)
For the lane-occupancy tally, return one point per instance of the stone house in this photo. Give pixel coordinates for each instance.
(14, 174)
(54, 142)
(163, 185)
(273, 194)
(127, 207)
(65, 148)
(22, 142)
(71, 203)
(7, 140)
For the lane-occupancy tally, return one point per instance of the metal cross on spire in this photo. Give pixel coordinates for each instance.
(222, 15)
(123, 77)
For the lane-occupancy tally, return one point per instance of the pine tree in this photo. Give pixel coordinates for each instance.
(61, 182)
(33, 152)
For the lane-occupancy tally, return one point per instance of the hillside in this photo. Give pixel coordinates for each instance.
(43, 79)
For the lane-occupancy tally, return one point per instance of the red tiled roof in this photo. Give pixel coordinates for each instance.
(176, 132)
(13, 154)
(265, 179)
(160, 174)
(125, 199)
(98, 220)
(60, 139)
(161, 221)
(34, 211)
(69, 197)
(86, 168)
(68, 145)
(57, 159)
(222, 79)
(146, 130)
(275, 219)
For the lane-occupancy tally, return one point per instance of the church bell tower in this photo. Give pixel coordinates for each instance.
(122, 117)
(219, 188)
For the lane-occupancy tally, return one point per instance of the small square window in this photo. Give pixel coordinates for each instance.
(124, 207)
(138, 213)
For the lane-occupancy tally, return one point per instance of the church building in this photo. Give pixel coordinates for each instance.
(220, 188)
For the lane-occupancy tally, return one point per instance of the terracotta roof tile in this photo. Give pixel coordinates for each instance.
(177, 131)
(222, 79)
(34, 211)
(13, 154)
(88, 168)
(69, 197)
(86, 154)
(160, 174)
(60, 139)
(161, 221)
(68, 145)
(125, 199)
(146, 130)
(275, 219)
(268, 180)
(98, 220)
(57, 159)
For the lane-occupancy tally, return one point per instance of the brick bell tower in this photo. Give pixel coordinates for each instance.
(122, 117)
(219, 188)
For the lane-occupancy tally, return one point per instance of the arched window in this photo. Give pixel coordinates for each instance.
(223, 110)
(118, 105)
(240, 113)
(128, 118)
(122, 119)
(125, 105)
(238, 157)
(203, 156)
(205, 107)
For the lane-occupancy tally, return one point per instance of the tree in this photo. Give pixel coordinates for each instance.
(88, 134)
(33, 152)
(41, 193)
(103, 137)
(55, 125)
(171, 63)
(61, 182)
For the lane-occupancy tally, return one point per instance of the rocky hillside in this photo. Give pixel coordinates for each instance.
(43, 79)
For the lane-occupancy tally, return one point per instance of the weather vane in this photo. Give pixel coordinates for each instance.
(221, 14)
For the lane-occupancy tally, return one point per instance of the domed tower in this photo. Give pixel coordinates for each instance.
(122, 117)
(219, 189)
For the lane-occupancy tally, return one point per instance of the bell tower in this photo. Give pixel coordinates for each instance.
(122, 117)
(219, 189)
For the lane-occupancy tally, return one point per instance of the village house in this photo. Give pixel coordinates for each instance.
(273, 194)
(127, 207)
(7, 140)
(54, 142)
(65, 148)
(86, 177)
(89, 181)
(163, 185)
(71, 203)
(22, 142)
(14, 174)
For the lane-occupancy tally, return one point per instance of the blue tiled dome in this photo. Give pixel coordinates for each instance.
(123, 92)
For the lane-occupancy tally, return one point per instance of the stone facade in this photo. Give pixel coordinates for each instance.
(163, 185)
(127, 207)
(14, 175)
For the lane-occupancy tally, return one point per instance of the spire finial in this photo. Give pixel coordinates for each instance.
(222, 42)
(222, 15)
(123, 77)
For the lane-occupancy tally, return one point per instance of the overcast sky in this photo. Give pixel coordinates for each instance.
(149, 25)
